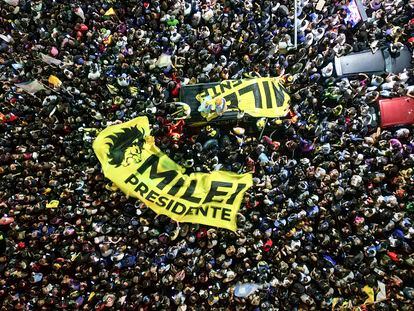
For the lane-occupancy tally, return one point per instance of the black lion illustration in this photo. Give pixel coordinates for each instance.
(131, 139)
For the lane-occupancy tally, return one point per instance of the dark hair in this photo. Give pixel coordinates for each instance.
(121, 141)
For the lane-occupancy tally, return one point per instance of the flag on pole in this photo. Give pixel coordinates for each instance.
(31, 87)
(50, 60)
(110, 12)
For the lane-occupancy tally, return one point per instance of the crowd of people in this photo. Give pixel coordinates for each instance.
(328, 223)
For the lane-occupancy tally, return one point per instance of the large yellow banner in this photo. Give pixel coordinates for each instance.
(132, 161)
(258, 97)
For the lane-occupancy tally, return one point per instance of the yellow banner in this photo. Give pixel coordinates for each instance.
(140, 169)
(259, 97)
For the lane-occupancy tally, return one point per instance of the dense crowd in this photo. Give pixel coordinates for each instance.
(328, 223)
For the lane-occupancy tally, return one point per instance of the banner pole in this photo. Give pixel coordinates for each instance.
(261, 133)
(296, 24)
